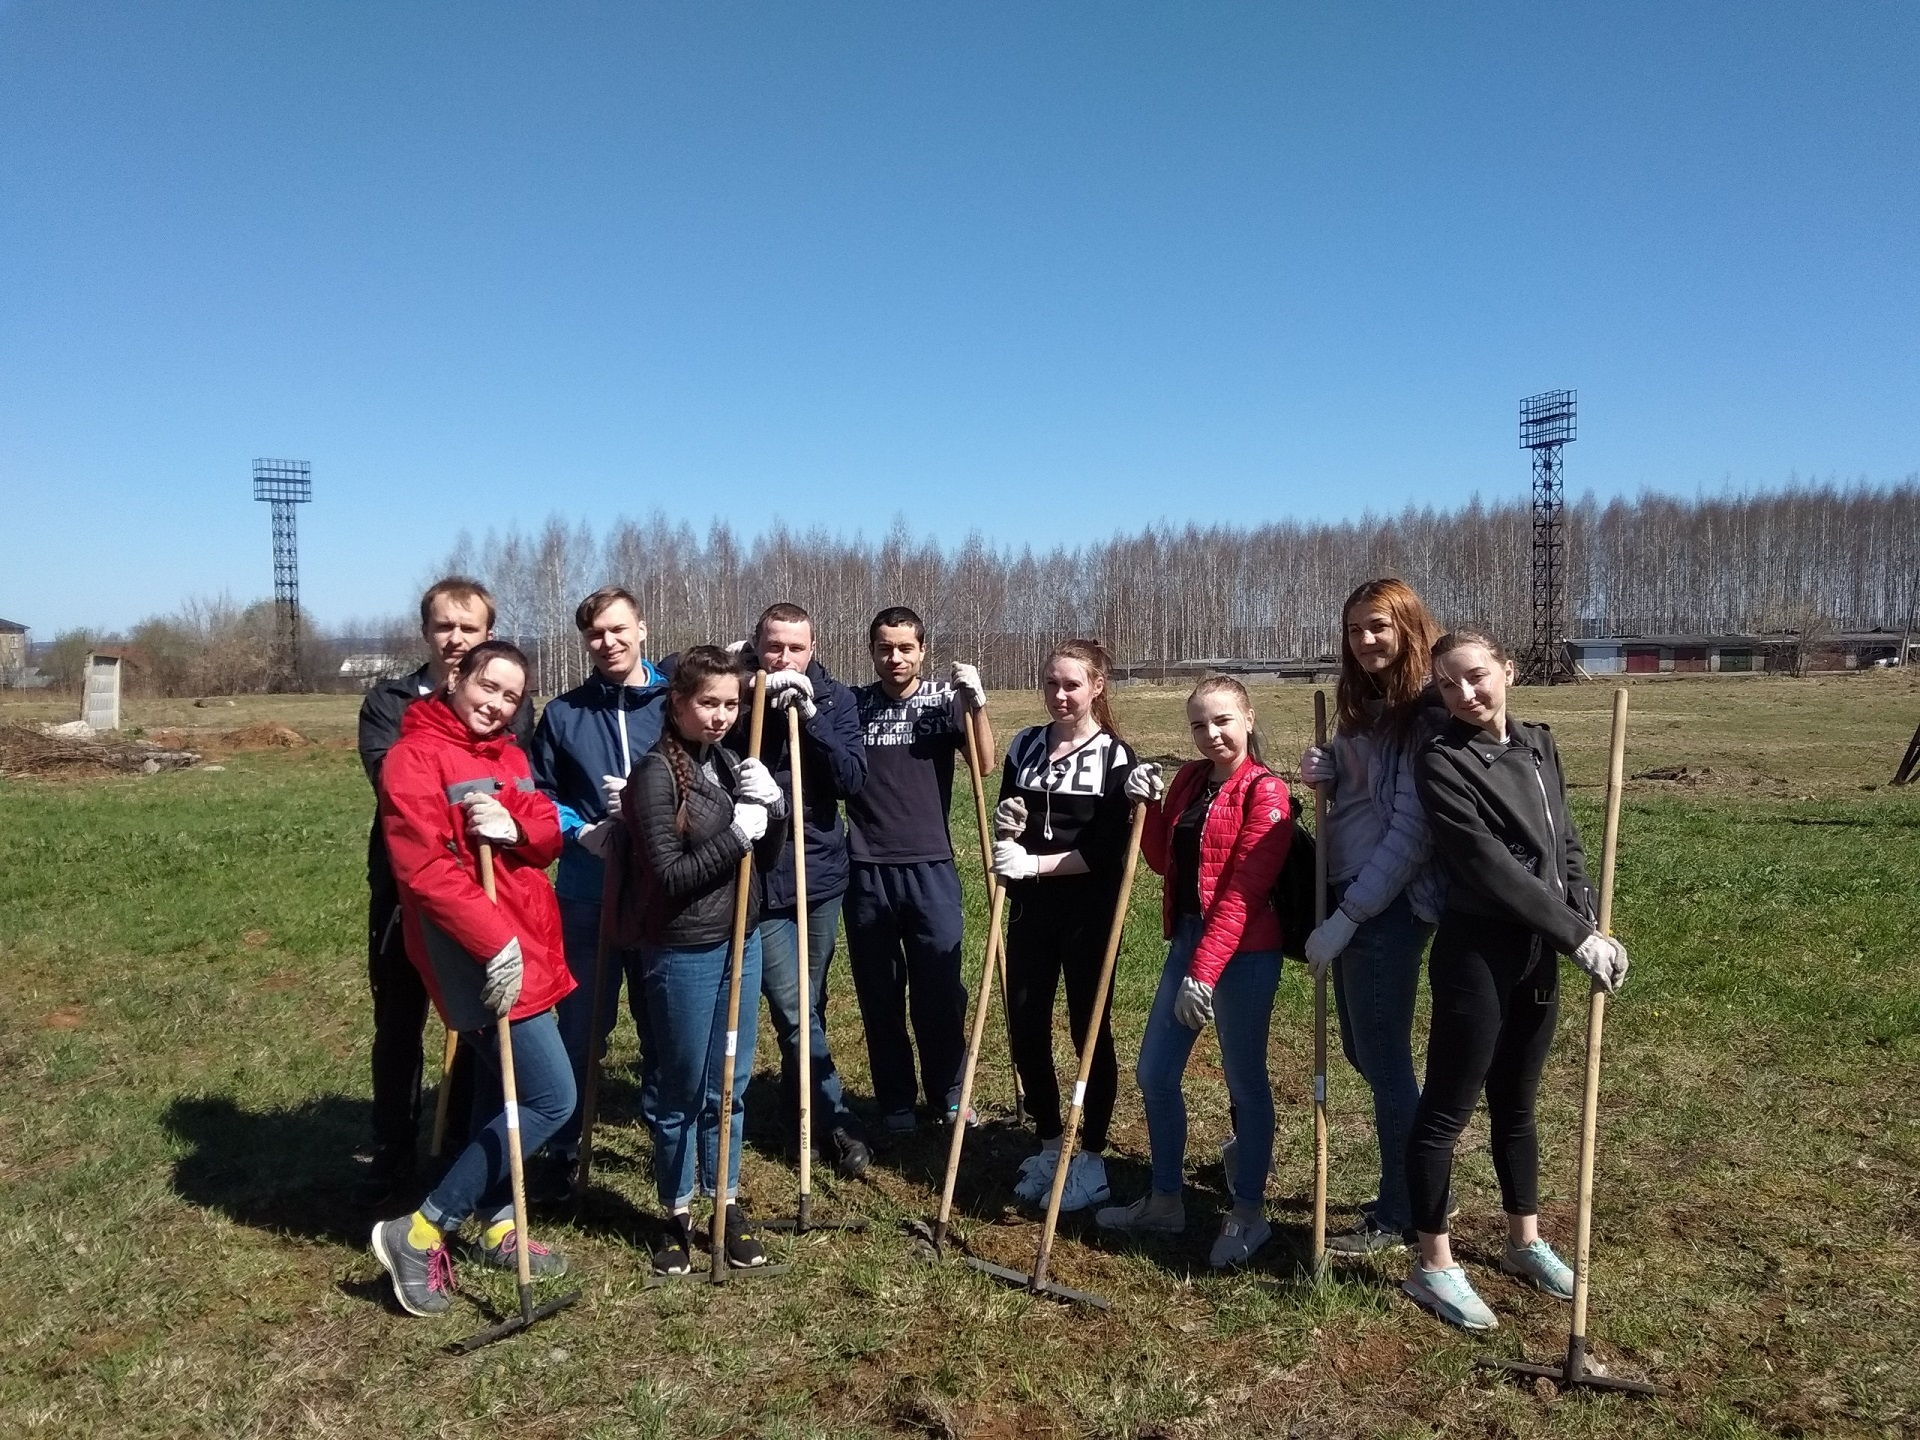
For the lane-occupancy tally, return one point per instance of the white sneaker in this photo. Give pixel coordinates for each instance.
(1036, 1176)
(1086, 1183)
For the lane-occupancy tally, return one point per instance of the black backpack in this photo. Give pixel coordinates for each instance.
(1292, 893)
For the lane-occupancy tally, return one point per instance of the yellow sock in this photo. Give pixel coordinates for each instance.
(496, 1233)
(422, 1233)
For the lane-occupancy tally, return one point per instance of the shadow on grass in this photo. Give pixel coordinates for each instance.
(289, 1171)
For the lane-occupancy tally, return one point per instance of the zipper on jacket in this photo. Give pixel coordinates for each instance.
(1553, 831)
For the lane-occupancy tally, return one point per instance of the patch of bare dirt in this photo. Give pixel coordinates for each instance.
(265, 735)
(67, 1017)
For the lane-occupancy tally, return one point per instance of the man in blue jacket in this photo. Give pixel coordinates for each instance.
(586, 744)
(833, 761)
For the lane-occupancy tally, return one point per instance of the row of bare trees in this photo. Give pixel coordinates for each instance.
(1837, 557)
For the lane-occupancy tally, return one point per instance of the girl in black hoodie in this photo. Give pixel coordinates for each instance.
(1517, 899)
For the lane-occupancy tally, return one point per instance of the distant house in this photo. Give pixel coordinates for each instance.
(1735, 654)
(13, 654)
(369, 669)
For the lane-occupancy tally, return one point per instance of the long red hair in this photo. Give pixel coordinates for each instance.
(1093, 655)
(1400, 684)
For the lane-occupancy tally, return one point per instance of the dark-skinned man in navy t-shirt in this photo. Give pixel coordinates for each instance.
(903, 917)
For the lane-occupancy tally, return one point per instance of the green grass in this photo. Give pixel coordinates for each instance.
(185, 1026)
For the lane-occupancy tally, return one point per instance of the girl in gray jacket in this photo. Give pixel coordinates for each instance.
(1384, 891)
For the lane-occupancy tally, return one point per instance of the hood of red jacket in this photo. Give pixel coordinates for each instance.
(433, 718)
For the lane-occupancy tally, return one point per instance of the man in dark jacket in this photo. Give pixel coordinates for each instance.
(833, 761)
(455, 615)
(587, 744)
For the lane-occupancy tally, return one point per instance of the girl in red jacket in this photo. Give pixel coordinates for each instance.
(456, 779)
(1219, 838)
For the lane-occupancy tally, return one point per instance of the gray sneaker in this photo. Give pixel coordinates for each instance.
(1369, 1237)
(542, 1263)
(1151, 1214)
(422, 1279)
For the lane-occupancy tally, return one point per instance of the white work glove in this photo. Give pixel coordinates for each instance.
(1316, 765)
(750, 819)
(1604, 958)
(1010, 818)
(966, 680)
(488, 820)
(501, 989)
(1014, 862)
(791, 689)
(1193, 1006)
(1328, 939)
(1144, 784)
(612, 787)
(756, 783)
(596, 838)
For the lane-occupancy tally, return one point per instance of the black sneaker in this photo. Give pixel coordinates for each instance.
(1368, 1237)
(744, 1250)
(550, 1181)
(851, 1157)
(389, 1180)
(422, 1279)
(674, 1254)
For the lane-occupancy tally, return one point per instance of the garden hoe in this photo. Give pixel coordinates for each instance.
(444, 1099)
(936, 1234)
(1321, 793)
(718, 1271)
(1576, 1370)
(802, 1221)
(529, 1313)
(1037, 1282)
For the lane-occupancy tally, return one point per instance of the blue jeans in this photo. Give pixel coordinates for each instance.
(481, 1179)
(687, 999)
(580, 929)
(780, 980)
(1242, 1010)
(1375, 981)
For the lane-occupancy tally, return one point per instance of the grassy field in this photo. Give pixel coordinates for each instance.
(185, 1029)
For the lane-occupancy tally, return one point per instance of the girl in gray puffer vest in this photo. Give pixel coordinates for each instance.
(1383, 890)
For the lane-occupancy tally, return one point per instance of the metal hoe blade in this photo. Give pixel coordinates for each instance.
(1052, 1289)
(705, 1275)
(1571, 1373)
(529, 1314)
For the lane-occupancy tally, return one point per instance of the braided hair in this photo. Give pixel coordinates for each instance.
(696, 666)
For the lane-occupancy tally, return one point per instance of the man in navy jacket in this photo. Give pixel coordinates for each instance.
(833, 761)
(587, 743)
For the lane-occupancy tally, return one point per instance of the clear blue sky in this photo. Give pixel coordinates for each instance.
(1051, 270)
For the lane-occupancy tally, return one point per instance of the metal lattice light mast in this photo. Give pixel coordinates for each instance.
(1547, 424)
(285, 484)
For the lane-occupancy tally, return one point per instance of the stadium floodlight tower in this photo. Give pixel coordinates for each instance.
(284, 484)
(1546, 425)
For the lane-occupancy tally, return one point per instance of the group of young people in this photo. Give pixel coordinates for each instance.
(1446, 821)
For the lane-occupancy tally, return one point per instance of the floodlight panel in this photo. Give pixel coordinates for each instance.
(287, 481)
(1547, 419)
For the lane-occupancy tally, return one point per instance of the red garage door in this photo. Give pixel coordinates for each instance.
(1643, 659)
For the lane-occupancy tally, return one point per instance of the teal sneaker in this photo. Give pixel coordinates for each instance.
(1447, 1294)
(1537, 1263)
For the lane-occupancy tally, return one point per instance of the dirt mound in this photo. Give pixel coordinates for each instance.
(264, 735)
(29, 750)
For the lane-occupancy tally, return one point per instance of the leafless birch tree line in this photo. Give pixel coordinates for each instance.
(1835, 556)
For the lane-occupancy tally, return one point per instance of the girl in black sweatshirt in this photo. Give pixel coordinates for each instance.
(1517, 899)
(1061, 839)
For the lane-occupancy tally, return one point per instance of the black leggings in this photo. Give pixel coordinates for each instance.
(1496, 994)
(1062, 931)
